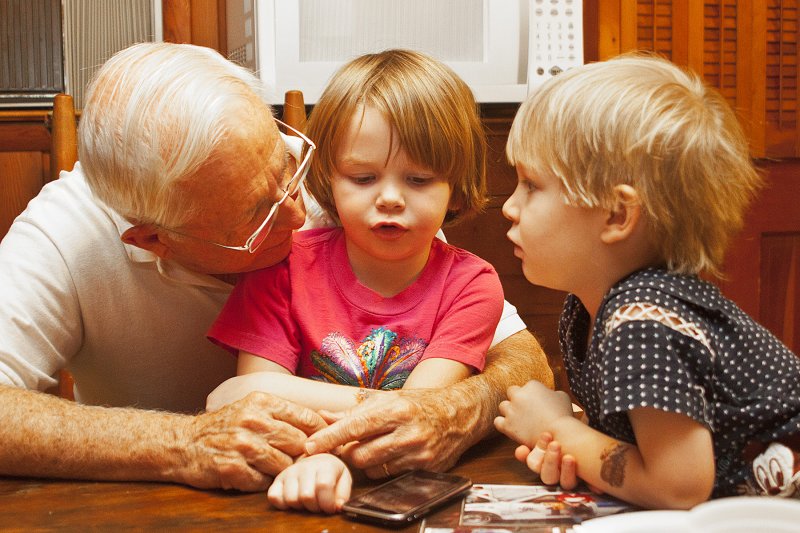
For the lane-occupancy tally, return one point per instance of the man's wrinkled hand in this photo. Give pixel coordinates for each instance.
(244, 444)
(392, 433)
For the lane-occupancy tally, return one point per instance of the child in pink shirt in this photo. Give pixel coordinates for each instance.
(379, 302)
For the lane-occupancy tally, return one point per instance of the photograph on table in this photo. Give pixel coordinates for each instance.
(524, 508)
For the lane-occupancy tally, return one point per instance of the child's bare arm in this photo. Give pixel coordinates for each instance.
(677, 453)
(259, 374)
(435, 373)
(672, 467)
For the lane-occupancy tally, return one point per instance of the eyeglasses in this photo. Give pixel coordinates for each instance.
(296, 146)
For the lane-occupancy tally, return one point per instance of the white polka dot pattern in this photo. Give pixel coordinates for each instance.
(725, 371)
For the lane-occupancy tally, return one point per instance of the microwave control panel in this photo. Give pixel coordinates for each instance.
(556, 38)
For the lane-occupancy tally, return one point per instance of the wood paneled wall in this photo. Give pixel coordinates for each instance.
(747, 49)
(200, 22)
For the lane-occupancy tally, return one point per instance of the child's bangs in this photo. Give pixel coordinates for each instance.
(433, 143)
(534, 141)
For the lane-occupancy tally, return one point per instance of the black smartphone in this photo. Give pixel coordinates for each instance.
(406, 498)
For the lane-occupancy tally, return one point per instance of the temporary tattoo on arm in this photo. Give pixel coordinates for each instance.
(612, 469)
(362, 394)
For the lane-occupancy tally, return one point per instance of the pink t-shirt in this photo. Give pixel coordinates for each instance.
(311, 315)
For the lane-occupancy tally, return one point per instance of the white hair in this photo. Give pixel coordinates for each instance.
(154, 113)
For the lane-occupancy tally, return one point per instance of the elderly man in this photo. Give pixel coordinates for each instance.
(117, 269)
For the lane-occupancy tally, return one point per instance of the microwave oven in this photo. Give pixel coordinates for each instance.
(501, 48)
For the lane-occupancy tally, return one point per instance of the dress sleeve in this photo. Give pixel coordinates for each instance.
(40, 315)
(465, 330)
(648, 364)
(257, 318)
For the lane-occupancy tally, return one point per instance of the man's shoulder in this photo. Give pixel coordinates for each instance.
(68, 196)
(65, 220)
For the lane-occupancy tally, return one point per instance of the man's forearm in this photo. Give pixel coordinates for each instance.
(514, 361)
(45, 436)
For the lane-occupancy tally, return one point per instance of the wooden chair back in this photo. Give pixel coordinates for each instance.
(64, 135)
(294, 110)
(35, 145)
(63, 155)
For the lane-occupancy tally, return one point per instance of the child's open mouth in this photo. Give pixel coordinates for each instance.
(389, 231)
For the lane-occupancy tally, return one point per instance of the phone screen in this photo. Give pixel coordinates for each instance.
(407, 497)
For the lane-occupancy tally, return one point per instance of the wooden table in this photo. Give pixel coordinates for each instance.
(36, 505)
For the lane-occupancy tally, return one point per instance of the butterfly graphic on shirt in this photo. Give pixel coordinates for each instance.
(381, 361)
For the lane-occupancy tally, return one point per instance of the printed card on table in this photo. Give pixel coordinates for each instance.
(522, 508)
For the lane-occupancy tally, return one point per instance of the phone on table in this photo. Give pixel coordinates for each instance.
(406, 498)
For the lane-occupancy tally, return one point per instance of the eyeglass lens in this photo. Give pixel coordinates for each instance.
(290, 188)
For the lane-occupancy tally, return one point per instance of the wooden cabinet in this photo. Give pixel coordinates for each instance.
(24, 161)
(763, 267)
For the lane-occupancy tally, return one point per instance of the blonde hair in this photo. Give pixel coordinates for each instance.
(642, 121)
(432, 110)
(154, 113)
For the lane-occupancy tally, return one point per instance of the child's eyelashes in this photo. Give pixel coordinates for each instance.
(414, 181)
(362, 180)
(527, 185)
(419, 180)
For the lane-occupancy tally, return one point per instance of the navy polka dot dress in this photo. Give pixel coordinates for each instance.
(675, 343)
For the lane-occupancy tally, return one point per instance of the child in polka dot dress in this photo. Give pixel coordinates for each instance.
(633, 177)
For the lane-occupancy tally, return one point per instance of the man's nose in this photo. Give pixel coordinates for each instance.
(291, 214)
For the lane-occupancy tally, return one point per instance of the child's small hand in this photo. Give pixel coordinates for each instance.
(319, 483)
(530, 410)
(547, 460)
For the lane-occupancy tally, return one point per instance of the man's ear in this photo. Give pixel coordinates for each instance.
(624, 216)
(147, 237)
